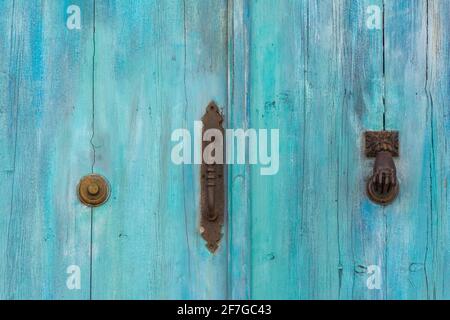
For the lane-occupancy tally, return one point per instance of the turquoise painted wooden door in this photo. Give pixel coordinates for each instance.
(100, 86)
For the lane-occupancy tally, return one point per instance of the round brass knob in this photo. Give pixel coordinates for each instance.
(93, 190)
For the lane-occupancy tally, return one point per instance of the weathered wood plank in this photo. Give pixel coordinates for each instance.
(45, 103)
(314, 232)
(438, 89)
(276, 95)
(408, 110)
(361, 223)
(239, 256)
(158, 65)
(319, 221)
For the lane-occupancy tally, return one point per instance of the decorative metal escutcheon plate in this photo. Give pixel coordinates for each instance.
(212, 178)
(93, 190)
(382, 186)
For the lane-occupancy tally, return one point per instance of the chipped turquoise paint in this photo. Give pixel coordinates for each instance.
(106, 98)
(46, 104)
(171, 60)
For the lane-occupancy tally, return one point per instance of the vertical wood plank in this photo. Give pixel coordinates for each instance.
(45, 111)
(276, 95)
(239, 256)
(316, 72)
(206, 79)
(361, 223)
(319, 221)
(438, 90)
(408, 110)
(169, 60)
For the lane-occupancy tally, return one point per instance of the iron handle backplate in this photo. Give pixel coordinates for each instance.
(212, 182)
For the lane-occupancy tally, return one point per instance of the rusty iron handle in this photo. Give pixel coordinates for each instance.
(211, 184)
(382, 186)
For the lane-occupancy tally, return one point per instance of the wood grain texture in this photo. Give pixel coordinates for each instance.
(313, 231)
(239, 235)
(106, 99)
(438, 93)
(361, 223)
(45, 103)
(276, 94)
(157, 66)
(353, 82)
(407, 109)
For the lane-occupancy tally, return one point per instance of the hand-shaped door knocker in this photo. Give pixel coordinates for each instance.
(382, 186)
